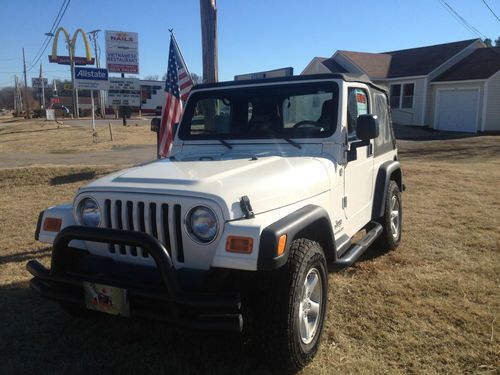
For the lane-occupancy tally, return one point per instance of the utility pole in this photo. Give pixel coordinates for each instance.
(15, 96)
(93, 34)
(74, 90)
(28, 114)
(208, 13)
(42, 104)
(18, 98)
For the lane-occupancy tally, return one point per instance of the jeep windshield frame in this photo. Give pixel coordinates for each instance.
(265, 111)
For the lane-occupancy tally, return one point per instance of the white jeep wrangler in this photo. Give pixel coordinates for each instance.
(267, 183)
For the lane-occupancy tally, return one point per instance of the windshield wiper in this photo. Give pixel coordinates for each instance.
(225, 144)
(293, 143)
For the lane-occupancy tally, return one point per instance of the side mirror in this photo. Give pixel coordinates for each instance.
(155, 125)
(367, 127)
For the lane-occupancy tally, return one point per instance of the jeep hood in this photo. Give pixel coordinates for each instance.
(269, 182)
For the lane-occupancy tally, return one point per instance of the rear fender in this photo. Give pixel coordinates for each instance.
(390, 170)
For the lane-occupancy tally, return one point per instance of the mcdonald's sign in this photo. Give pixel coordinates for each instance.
(71, 43)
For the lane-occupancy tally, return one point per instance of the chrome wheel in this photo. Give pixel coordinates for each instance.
(395, 217)
(310, 306)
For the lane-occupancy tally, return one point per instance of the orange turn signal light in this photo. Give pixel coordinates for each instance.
(243, 245)
(281, 244)
(52, 224)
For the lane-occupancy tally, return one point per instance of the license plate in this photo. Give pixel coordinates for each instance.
(106, 299)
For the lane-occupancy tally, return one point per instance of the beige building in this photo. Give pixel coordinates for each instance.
(453, 86)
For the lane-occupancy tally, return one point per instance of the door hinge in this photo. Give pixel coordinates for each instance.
(344, 201)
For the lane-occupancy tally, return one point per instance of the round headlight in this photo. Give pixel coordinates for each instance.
(89, 213)
(202, 224)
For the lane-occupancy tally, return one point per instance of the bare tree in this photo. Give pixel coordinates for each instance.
(7, 97)
(196, 78)
(153, 77)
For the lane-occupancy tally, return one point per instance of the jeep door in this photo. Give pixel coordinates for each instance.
(358, 175)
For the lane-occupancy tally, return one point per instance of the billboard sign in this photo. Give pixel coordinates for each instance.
(37, 82)
(124, 92)
(71, 44)
(91, 78)
(65, 60)
(122, 52)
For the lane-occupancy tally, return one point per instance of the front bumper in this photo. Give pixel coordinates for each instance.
(152, 292)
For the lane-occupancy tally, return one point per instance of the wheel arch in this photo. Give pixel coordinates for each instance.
(388, 171)
(311, 222)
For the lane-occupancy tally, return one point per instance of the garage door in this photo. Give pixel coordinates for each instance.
(457, 110)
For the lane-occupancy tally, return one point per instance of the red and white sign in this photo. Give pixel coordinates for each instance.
(122, 52)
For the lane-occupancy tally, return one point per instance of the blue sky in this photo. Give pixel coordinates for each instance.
(253, 35)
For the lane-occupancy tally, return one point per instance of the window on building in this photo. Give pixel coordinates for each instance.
(395, 96)
(407, 100)
(402, 95)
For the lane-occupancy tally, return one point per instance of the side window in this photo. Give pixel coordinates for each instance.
(357, 104)
(383, 142)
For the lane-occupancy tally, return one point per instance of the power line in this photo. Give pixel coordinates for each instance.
(53, 28)
(491, 10)
(48, 38)
(462, 20)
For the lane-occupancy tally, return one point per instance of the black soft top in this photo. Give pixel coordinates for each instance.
(348, 77)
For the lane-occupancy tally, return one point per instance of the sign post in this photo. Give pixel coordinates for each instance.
(122, 55)
(93, 79)
(94, 134)
(40, 83)
(71, 59)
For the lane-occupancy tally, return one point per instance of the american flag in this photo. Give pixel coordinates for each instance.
(177, 87)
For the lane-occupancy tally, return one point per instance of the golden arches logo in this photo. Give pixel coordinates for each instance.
(71, 43)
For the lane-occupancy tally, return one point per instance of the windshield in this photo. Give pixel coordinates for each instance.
(306, 110)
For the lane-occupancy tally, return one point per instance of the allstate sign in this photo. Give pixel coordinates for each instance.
(91, 78)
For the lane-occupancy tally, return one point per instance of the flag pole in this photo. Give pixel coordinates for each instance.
(179, 52)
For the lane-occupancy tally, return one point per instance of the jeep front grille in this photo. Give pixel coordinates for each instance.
(149, 217)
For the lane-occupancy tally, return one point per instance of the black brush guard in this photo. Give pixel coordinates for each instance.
(167, 301)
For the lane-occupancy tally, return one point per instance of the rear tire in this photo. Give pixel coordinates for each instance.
(392, 221)
(291, 310)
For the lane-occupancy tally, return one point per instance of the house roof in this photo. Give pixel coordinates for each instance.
(376, 65)
(404, 63)
(481, 64)
(333, 66)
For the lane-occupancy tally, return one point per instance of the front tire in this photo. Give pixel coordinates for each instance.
(296, 300)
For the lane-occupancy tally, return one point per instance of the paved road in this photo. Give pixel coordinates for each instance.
(88, 121)
(130, 155)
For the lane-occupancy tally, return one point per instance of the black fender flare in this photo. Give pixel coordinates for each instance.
(308, 218)
(384, 176)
